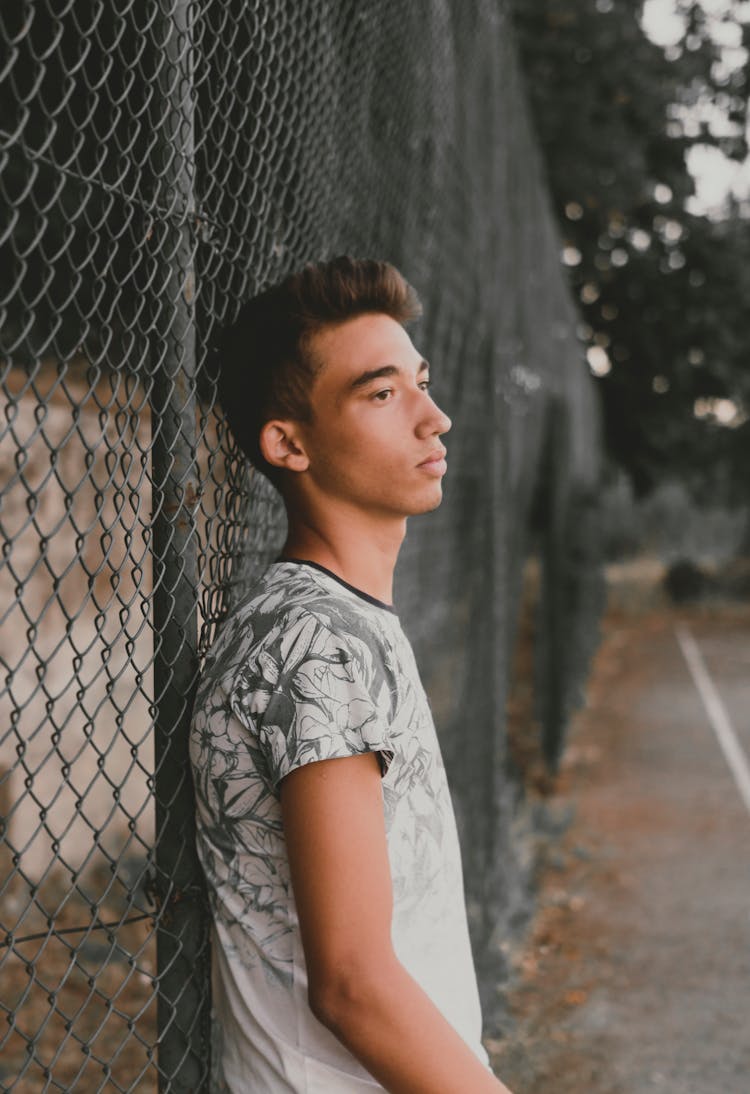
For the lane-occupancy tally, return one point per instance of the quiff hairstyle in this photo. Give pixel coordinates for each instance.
(266, 367)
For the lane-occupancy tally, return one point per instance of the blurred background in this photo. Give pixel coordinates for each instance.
(641, 111)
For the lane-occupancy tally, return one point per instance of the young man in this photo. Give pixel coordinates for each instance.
(341, 957)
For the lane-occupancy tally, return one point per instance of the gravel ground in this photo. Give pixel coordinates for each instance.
(635, 971)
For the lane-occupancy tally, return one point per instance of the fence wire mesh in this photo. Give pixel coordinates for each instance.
(160, 162)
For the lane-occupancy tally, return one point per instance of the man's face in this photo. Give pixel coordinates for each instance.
(374, 441)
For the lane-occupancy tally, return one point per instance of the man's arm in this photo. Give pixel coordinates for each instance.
(335, 833)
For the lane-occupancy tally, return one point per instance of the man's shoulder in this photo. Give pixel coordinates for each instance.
(299, 638)
(287, 592)
(291, 607)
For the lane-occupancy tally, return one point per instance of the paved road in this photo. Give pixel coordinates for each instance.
(636, 978)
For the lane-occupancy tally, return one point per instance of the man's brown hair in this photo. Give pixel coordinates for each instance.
(266, 367)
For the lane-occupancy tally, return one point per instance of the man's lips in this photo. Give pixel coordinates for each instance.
(435, 462)
(436, 456)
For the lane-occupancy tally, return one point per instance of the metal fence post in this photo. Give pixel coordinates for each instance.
(182, 935)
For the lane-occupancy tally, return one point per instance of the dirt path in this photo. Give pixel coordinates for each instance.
(636, 973)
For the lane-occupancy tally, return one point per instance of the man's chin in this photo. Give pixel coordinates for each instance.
(428, 504)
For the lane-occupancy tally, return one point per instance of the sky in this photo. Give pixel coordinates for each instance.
(715, 176)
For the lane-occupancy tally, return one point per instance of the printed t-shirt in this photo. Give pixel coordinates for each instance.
(308, 668)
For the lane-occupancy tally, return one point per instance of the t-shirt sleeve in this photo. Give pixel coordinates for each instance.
(316, 695)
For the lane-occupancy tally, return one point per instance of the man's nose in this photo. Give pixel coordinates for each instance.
(444, 422)
(435, 421)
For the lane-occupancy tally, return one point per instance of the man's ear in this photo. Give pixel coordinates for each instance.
(281, 445)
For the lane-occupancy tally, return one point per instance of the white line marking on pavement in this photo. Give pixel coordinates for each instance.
(716, 711)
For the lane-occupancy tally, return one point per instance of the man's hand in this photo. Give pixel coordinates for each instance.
(335, 833)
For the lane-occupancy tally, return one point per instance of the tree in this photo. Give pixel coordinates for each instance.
(662, 290)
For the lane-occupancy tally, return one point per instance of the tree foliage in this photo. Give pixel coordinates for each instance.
(662, 290)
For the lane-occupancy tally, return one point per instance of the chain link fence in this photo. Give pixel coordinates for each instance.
(160, 162)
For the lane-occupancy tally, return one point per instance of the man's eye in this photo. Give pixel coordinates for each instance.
(382, 396)
(424, 384)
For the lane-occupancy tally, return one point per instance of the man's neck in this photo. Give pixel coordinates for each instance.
(361, 550)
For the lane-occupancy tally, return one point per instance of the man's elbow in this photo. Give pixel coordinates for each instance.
(339, 998)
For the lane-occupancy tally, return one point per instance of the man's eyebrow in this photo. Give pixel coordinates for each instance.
(384, 370)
